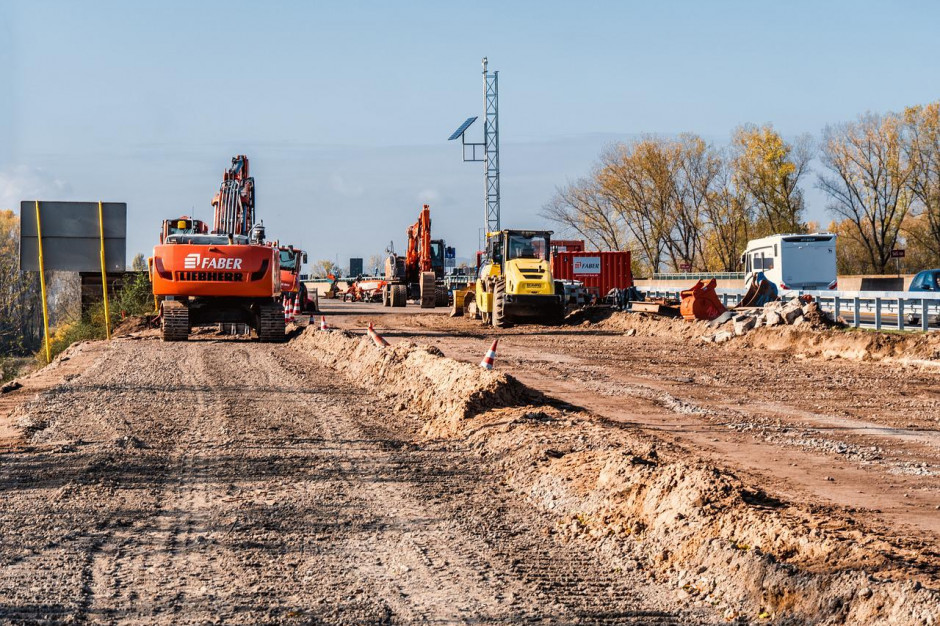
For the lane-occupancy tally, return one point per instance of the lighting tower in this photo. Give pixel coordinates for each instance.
(489, 147)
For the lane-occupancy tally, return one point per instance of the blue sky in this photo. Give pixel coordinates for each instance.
(345, 107)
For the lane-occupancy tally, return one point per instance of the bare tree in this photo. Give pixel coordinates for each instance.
(583, 208)
(728, 221)
(696, 169)
(923, 151)
(637, 180)
(869, 182)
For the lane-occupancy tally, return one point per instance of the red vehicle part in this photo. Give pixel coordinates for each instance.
(701, 302)
(599, 271)
(567, 245)
(241, 271)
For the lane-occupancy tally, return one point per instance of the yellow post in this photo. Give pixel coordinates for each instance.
(42, 286)
(104, 274)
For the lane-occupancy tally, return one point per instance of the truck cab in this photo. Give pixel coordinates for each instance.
(515, 280)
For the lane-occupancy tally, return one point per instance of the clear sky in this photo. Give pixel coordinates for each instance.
(344, 107)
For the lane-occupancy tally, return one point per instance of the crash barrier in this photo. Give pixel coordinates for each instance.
(895, 310)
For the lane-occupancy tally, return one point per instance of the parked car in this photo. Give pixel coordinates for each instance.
(927, 280)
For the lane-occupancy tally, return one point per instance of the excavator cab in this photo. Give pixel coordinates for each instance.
(184, 225)
(515, 281)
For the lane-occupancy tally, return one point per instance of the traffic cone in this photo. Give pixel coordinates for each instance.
(377, 338)
(286, 310)
(323, 325)
(296, 306)
(490, 358)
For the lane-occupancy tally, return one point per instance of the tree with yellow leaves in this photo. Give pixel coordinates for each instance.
(769, 170)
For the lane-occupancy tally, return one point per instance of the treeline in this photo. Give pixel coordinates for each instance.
(20, 302)
(683, 203)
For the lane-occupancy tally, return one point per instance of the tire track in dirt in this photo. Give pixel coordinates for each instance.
(240, 482)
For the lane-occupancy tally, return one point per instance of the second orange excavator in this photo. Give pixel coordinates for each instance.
(417, 274)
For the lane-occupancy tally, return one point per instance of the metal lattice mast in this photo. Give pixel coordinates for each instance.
(491, 147)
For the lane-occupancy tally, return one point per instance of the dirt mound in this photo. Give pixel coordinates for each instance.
(645, 504)
(820, 336)
(647, 324)
(132, 324)
(417, 378)
(853, 344)
(705, 531)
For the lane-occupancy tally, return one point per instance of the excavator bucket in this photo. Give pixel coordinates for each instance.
(701, 302)
(462, 299)
(760, 292)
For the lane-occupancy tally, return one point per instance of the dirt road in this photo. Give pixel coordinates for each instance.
(863, 436)
(236, 482)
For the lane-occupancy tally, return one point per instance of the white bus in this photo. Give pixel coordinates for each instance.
(793, 261)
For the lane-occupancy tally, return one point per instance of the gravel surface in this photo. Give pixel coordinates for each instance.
(238, 482)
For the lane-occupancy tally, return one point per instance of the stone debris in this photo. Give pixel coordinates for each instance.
(736, 323)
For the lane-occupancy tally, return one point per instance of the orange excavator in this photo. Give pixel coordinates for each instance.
(416, 274)
(229, 275)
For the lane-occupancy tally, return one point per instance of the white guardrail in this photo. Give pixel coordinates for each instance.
(895, 310)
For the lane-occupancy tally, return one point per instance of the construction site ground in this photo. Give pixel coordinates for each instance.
(633, 475)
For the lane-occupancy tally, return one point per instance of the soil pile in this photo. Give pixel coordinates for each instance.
(646, 504)
(702, 529)
(132, 324)
(816, 336)
(417, 378)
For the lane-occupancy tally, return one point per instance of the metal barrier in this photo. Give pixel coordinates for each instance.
(896, 310)
(698, 275)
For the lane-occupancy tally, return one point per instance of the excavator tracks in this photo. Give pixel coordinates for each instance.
(271, 325)
(175, 321)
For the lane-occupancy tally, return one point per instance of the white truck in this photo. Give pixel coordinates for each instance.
(793, 261)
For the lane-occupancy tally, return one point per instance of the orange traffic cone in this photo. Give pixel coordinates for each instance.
(490, 358)
(286, 310)
(323, 325)
(296, 306)
(377, 338)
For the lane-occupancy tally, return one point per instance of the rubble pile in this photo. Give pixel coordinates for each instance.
(738, 322)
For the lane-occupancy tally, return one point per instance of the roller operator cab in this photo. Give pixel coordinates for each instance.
(515, 281)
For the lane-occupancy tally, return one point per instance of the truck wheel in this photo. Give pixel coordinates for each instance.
(398, 295)
(302, 294)
(499, 304)
(443, 298)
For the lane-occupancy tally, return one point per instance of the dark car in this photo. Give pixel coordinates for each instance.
(927, 280)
